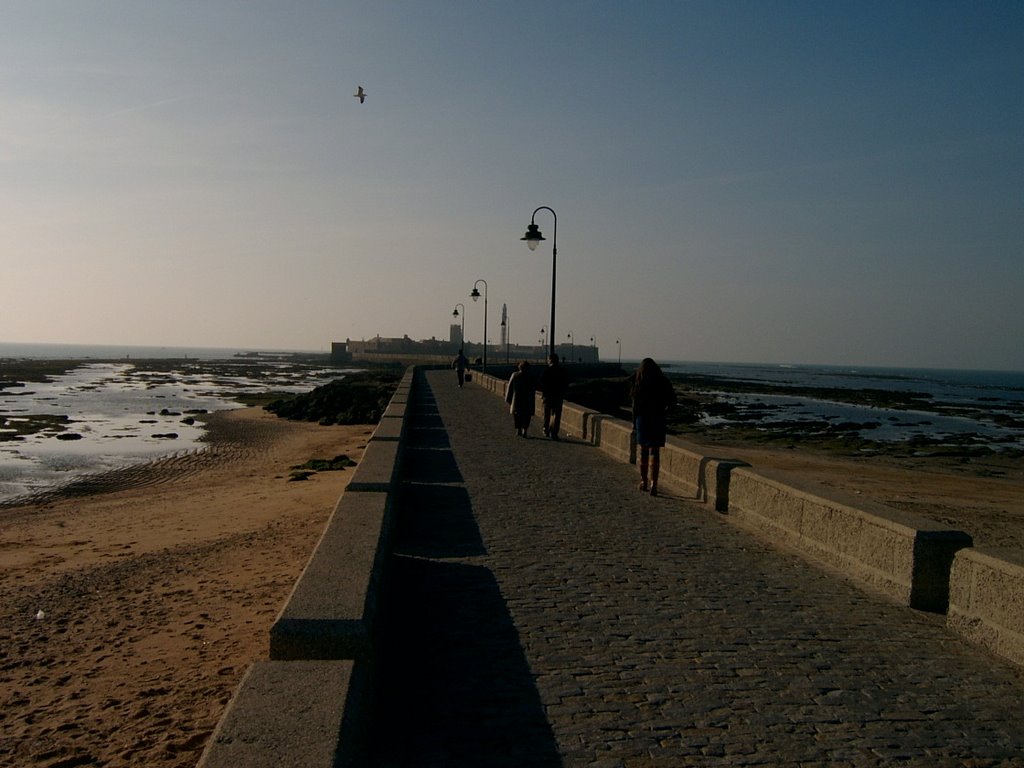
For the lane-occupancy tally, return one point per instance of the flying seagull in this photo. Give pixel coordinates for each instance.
(360, 94)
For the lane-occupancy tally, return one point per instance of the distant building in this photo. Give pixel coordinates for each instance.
(433, 350)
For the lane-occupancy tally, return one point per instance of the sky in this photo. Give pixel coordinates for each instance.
(760, 181)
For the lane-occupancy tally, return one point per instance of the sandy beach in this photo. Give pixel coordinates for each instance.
(129, 614)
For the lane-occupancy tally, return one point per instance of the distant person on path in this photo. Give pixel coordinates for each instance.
(521, 395)
(553, 385)
(652, 395)
(460, 365)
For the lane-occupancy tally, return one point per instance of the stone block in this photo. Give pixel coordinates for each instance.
(377, 469)
(284, 714)
(331, 610)
(615, 437)
(986, 600)
(906, 556)
(576, 420)
(390, 427)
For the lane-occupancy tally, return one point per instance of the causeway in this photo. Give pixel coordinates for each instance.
(541, 611)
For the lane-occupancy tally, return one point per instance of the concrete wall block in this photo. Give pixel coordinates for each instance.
(396, 410)
(904, 555)
(681, 468)
(576, 420)
(615, 437)
(986, 600)
(378, 468)
(389, 428)
(304, 714)
(331, 610)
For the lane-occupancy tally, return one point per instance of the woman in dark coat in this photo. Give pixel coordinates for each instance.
(521, 395)
(652, 395)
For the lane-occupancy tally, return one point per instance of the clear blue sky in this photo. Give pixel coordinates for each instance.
(792, 182)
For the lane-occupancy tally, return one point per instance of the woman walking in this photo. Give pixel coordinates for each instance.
(652, 395)
(521, 395)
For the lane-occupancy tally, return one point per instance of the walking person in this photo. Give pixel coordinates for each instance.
(521, 395)
(460, 364)
(554, 383)
(652, 395)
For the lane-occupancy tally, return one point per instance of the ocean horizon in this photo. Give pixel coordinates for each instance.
(121, 415)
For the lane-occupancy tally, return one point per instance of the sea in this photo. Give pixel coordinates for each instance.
(958, 407)
(119, 414)
(124, 415)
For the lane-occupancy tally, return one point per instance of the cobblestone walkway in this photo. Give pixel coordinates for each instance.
(545, 613)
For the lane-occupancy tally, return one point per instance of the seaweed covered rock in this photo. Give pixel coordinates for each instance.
(356, 399)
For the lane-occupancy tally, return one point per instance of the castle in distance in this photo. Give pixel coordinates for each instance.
(432, 350)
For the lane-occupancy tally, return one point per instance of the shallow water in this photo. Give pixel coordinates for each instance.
(123, 416)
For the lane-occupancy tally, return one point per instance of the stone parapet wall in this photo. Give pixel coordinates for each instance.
(911, 559)
(986, 600)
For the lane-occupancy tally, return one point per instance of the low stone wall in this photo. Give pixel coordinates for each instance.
(986, 600)
(306, 706)
(289, 713)
(906, 556)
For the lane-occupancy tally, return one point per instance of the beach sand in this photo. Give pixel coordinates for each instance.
(156, 594)
(159, 592)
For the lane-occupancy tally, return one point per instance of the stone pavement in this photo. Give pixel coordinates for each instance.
(544, 612)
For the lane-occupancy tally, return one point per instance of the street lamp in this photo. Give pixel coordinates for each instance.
(543, 335)
(506, 324)
(618, 343)
(474, 296)
(593, 344)
(572, 346)
(455, 313)
(533, 238)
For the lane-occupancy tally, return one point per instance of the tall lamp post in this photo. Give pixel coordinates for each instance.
(572, 346)
(474, 296)
(455, 313)
(543, 336)
(533, 238)
(593, 346)
(618, 343)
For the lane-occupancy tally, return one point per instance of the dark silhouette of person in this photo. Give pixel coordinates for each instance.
(460, 364)
(653, 395)
(521, 395)
(554, 383)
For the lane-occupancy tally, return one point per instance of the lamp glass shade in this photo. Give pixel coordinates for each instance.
(532, 236)
(475, 294)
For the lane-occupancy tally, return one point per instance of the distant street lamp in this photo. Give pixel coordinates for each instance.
(618, 343)
(543, 335)
(533, 238)
(593, 344)
(474, 296)
(506, 324)
(462, 341)
(572, 346)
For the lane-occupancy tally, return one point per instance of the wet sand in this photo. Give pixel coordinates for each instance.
(128, 615)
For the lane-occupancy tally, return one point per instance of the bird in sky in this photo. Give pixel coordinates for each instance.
(360, 94)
